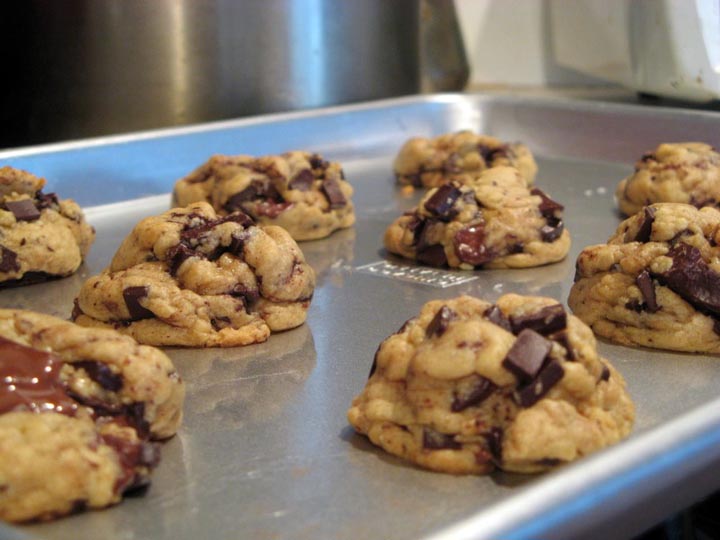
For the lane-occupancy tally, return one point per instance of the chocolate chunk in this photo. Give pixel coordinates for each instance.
(645, 284)
(101, 374)
(495, 316)
(564, 339)
(414, 180)
(239, 217)
(645, 229)
(432, 255)
(716, 326)
(24, 210)
(494, 439)
(547, 206)
(9, 262)
(76, 311)
(531, 393)
(441, 202)
(177, 255)
(486, 152)
(316, 162)
(422, 233)
(235, 202)
(250, 295)
(475, 393)
(517, 247)
(552, 230)
(548, 320)
(469, 245)
(692, 279)
(526, 356)
(648, 156)
(605, 374)
(132, 296)
(237, 244)
(302, 181)
(78, 505)
(434, 440)
(334, 194)
(45, 201)
(440, 322)
(132, 455)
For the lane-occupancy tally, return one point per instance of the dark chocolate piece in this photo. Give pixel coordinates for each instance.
(645, 284)
(552, 230)
(316, 162)
(23, 210)
(716, 326)
(605, 374)
(433, 255)
(645, 229)
(475, 393)
(494, 439)
(548, 320)
(177, 255)
(249, 295)
(434, 440)
(101, 374)
(132, 296)
(334, 194)
(235, 202)
(525, 358)
(132, 455)
(9, 262)
(30, 381)
(692, 278)
(45, 201)
(302, 181)
(442, 201)
(531, 393)
(470, 247)
(547, 206)
(440, 322)
(495, 316)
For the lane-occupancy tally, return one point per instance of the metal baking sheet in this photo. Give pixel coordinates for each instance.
(265, 450)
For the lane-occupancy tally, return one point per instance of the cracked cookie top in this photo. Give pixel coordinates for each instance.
(431, 162)
(298, 191)
(41, 236)
(468, 386)
(491, 221)
(674, 172)
(191, 277)
(656, 282)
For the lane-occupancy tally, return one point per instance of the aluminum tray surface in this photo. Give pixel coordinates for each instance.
(265, 450)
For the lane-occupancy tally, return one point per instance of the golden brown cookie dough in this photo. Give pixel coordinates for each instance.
(490, 221)
(468, 386)
(298, 191)
(656, 283)
(192, 278)
(424, 162)
(78, 407)
(41, 237)
(675, 172)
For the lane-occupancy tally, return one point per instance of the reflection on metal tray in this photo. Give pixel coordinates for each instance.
(265, 450)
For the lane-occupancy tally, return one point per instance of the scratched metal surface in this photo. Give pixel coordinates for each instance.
(265, 450)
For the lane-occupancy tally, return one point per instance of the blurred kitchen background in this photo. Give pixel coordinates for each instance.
(81, 68)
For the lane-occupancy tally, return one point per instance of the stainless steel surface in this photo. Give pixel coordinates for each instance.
(93, 67)
(265, 450)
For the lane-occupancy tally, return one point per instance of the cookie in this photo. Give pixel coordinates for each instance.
(192, 278)
(656, 283)
(78, 408)
(468, 386)
(424, 162)
(491, 221)
(677, 172)
(41, 236)
(298, 191)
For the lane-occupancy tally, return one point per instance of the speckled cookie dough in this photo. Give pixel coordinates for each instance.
(678, 172)
(77, 410)
(41, 237)
(298, 191)
(424, 162)
(491, 221)
(468, 386)
(192, 278)
(656, 283)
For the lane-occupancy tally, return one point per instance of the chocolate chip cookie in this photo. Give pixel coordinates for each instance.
(656, 282)
(298, 191)
(41, 236)
(78, 409)
(192, 278)
(424, 162)
(468, 386)
(678, 172)
(491, 221)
